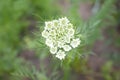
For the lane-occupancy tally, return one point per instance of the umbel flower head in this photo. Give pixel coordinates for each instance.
(60, 38)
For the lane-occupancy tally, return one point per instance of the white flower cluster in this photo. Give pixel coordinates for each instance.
(59, 36)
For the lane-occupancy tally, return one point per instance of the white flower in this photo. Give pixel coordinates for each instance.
(55, 23)
(53, 50)
(60, 44)
(49, 43)
(45, 34)
(75, 42)
(71, 32)
(70, 26)
(67, 39)
(52, 32)
(60, 54)
(59, 35)
(67, 48)
(64, 21)
(48, 25)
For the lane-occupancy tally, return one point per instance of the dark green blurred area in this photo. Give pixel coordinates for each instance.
(16, 18)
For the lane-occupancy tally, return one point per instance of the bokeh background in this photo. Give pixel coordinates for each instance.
(19, 19)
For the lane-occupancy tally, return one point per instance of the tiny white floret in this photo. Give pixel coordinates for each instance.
(71, 32)
(49, 43)
(45, 34)
(67, 48)
(67, 39)
(64, 21)
(48, 25)
(55, 23)
(53, 50)
(60, 44)
(75, 42)
(60, 54)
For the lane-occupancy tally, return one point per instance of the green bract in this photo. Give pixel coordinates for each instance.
(59, 35)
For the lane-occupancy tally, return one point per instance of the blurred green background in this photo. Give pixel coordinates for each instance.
(19, 19)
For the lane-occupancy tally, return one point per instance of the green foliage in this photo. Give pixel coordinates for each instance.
(10, 31)
(13, 14)
(29, 71)
(25, 72)
(91, 28)
(107, 70)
